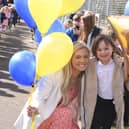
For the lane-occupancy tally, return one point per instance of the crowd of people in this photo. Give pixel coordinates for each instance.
(8, 17)
(91, 91)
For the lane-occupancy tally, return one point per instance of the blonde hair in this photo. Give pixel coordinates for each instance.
(67, 72)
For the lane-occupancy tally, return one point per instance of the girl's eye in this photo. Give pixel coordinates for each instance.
(99, 50)
(106, 48)
(102, 49)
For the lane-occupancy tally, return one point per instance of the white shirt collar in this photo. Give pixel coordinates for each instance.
(110, 62)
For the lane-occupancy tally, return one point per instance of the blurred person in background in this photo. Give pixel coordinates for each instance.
(88, 28)
(74, 31)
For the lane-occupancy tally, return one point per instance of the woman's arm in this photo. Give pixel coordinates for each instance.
(45, 88)
(42, 92)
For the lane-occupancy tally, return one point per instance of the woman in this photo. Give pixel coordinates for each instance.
(56, 100)
(88, 28)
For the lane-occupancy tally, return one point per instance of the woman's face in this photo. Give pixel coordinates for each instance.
(104, 52)
(80, 60)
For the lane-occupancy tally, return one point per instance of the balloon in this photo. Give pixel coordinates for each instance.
(69, 6)
(22, 67)
(23, 11)
(53, 53)
(57, 26)
(37, 36)
(126, 9)
(44, 13)
(120, 24)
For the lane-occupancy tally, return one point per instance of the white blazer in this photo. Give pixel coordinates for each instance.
(46, 97)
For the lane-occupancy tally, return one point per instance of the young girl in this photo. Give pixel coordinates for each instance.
(56, 101)
(102, 87)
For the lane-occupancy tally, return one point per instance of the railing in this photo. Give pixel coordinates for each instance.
(105, 8)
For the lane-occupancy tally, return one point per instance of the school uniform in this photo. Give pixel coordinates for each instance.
(97, 102)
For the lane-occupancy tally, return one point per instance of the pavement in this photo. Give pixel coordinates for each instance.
(12, 95)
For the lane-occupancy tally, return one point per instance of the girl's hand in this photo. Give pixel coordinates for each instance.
(32, 111)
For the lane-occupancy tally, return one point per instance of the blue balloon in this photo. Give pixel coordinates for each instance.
(37, 36)
(22, 67)
(126, 9)
(23, 11)
(57, 26)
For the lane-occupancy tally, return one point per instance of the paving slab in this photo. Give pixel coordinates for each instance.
(12, 95)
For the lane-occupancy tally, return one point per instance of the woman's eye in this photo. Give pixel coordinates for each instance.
(77, 57)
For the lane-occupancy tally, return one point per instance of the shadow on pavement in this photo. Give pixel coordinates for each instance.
(18, 39)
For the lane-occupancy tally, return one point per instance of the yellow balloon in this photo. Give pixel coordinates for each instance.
(69, 6)
(120, 24)
(44, 12)
(54, 51)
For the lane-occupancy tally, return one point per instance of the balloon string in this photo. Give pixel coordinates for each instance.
(37, 78)
(30, 101)
(33, 121)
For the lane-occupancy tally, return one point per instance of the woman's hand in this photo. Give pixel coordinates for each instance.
(32, 111)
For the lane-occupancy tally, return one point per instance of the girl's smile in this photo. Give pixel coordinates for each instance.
(104, 52)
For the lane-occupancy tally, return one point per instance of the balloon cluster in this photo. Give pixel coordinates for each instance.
(55, 48)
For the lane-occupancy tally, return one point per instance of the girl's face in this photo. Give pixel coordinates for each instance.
(80, 61)
(104, 52)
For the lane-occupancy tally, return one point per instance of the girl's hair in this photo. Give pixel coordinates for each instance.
(107, 40)
(67, 72)
(89, 23)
